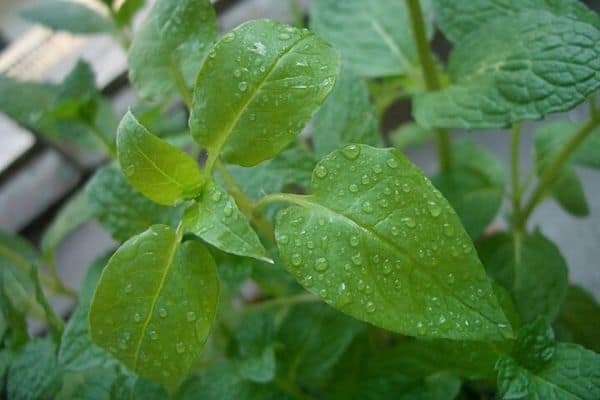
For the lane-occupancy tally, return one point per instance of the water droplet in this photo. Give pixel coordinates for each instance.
(180, 348)
(190, 316)
(237, 73)
(408, 221)
(405, 187)
(321, 264)
(308, 281)
(153, 335)
(357, 259)
(216, 196)
(442, 319)
(395, 231)
(228, 209)
(351, 152)
(367, 207)
(321, 171)
(229, 37)
(434, 209)
(387, 267)
(284, 36)
(137, 317)
(392, 163)
(450, 278)
(310, 244)
(377, 168)
(448, 230)
(353, 188)
(370, 306)
(284, 239)
(243, 86)
(296, 259)
(323, 293)
(128, 288)
(162, 313)
(354, 241)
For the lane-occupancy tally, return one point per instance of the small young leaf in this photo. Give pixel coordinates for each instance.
(374, 36)
(156, 298)
(292, 167)
(507, 72)
(533, 270)
(70, 16)
(474, 185)
(72, 214)
(410, 135)
(34, 373)
(348, 116)
(168, 49)
(377, 241)
(578, 319)
(77, 352)
(313, 338)
(571, 374)
(121, 210)
(161, 172)
(458, 18)
(250, 109)
(216, 218)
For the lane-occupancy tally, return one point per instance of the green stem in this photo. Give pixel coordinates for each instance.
(54, 320)
(430, 74)
(283, 301)
(515, 169)
(109, 145)
(299, 199)
(245, 204)
(554, 168)
(181, 85)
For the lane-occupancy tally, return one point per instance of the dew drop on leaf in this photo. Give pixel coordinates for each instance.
(180, 348)
(408, 221)
(190, 316)
(243, 86)
(321, 264)
(321, 171)
(351, 152)
(392, 163)
(353, 188)
(162, 312)
(296, 259)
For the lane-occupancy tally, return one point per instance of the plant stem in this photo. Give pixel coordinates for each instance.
(245, 204)
(54, 320)
(299, 199)
(430, 74)
(110, 147)
(283, 301)
(554, 168)
(515, 169)
(180, 84)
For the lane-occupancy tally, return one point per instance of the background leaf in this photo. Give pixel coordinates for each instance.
(507, 73)
(168, 49)
(578, 319)
(374, 36)
(377, 241)
(155, 304)
(251, 109)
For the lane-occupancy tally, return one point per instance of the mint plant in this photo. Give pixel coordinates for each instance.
(258, 262)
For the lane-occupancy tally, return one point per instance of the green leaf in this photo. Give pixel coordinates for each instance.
(348, 116)
(377, 241)
(507, 72)
(34, 373)
(14, 332)
(121, 210)
(571, 374)
(313, 338)
(155, 304)
(76, 95)
(255, 355)
(72, 214)
(223, 381)
(70, 16)
(167, 50)
(23, 101)
(410, 135)
(77, 352)
(374, 36)
(458, 18)
(578, 319)
(474, 185)
(259, 86)
(216, 218)
(292, 167)
(94, 384)
(532, 269)
(124, 15)
(535, 345)
(161, 172)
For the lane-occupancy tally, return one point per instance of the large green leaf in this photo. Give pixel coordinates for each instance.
(76, 351)
(34, 373)
(216, 218)
(121, 210)
(348, 116)
(71, 16)
(374, 36)
(578, 319)
(458, 18)
(259, 86)
(168, 49)
(155, 304)
(161, 172)
(516, 68)
(531, 268)
(72, 214)
(474, 185)
(377, 241)
(313, 337)
(292, 167)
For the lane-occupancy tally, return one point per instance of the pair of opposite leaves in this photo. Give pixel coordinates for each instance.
(374, 239)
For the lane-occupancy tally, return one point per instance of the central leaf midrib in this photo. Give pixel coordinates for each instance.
(226, 133)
